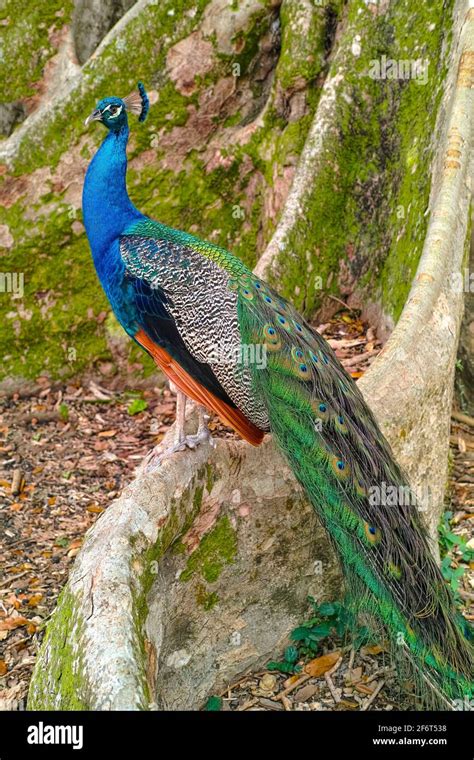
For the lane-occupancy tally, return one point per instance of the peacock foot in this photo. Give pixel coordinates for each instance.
(158, 455)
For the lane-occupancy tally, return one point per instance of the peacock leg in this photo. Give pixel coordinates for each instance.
(180, 435)
(181, 440)
(203, 433)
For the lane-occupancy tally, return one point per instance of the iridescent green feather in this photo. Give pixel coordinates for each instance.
(336, 450)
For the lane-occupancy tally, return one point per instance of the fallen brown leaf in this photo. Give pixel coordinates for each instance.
(375, 649)
(107, 433)
(320, 665)
(10, 623)
(34, 600)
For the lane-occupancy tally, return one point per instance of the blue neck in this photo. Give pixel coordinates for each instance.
(106, 207)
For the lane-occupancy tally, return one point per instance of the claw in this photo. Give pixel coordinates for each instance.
(156, 456)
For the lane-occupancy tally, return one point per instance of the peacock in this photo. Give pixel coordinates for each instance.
(231, 343)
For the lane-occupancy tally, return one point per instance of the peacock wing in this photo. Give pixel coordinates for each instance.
(187, 320)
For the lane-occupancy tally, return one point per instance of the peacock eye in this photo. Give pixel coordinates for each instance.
(113, 109)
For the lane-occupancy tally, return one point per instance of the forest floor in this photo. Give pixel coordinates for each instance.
(68, 450)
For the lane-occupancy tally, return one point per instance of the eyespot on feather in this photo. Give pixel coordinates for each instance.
(360, 489)
(320, 409)
(303, 371)
(283, 322)
(372, 534)
(340, 423)
(272, 339)
(247, 293)
(340, 468)
(270, 332)
(297, 354)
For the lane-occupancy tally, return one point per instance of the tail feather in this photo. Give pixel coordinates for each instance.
(336, 450)
(416, 607)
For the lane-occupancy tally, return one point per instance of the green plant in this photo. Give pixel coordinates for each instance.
(330, 620)
(288, 664)
(64, 412)
(136, 406)
(452, 544)
(213, 704)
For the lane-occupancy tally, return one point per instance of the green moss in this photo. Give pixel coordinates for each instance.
(206, 599)
(136, 54)
(216, 549)
(50, 331)
(303, 45)
(197, 497)
(181, 517)
(58, 681)
(210, 478)
(247, 42)
(29, 29)
(377, 164)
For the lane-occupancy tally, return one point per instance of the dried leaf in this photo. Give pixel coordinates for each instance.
(34, 600)
(267, 682)
(364, 689)
(13, 601)
(95, 509)
(10, 623)
(373, 650)
(320, 665)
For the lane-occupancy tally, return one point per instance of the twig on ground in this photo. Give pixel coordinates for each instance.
(464, 418)
(305, 677)
(369, 701)
(332, 688)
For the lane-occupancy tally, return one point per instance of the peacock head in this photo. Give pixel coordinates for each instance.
(113, 111)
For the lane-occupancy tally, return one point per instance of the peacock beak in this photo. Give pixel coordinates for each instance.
(96, 115)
